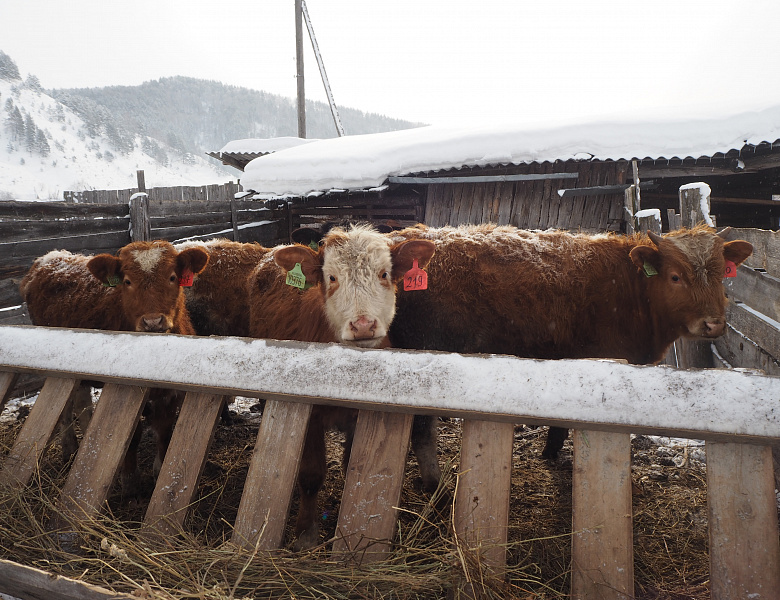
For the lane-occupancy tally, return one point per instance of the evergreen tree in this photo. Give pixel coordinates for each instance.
(29, 133)
(41, 143)
(8, 69)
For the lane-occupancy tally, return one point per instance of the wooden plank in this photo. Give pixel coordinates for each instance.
(20, 581)
(38, 430)
(77, 243)
(177, 484)
(8, 380)
(766, 248)
(741, 352)
(609, 396)
(602, 540)
(102, 449)
(18, 230)
(757, 289)
(482, 495)
(53, 211)
(265, 503)
(372, 489)
(755, 326)
(744, 548)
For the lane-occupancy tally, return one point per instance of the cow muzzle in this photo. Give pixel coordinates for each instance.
(709, 328)
(363, 328)
(154, 323)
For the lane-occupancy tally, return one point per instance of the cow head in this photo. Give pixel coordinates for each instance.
(147, 277)
(684, 271)
(357, 271)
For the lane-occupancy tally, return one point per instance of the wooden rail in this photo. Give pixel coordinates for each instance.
(736, 412)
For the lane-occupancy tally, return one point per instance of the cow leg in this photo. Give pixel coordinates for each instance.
(311, 476)
(129, 476)
(79, 409)
(163, 409)
(424, 436)
(555, 438)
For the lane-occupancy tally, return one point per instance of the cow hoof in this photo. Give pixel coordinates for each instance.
(307, 539)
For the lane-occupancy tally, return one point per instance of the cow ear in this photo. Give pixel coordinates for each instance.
(104, 267)
(646, 255)
(405, 253)
(192, 259)
(311, 264)
(737, 251)
(306, 236)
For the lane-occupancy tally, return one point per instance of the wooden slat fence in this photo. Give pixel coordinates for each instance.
(609, 401)
(205, 193)
(31, 229)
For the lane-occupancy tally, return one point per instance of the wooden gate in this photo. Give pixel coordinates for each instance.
(736, 412)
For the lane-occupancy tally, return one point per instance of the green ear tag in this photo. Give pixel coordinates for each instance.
(314, 246)
(649, 269)
(296, 278)
(113, 281)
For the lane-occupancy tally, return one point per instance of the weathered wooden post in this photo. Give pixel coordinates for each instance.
(632, 202)
(695, 210)
(140, 225)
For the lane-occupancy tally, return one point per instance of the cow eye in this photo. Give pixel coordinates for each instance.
(332, 279)
(384, 275)
(675, 278)
(173, 278)
(127, 282)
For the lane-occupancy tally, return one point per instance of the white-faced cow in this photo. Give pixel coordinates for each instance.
(137, 290)
(354, 274)
(554, 294)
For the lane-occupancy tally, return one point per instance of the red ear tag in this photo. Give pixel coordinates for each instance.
(731, 269)
(415, 279)
(186, 278)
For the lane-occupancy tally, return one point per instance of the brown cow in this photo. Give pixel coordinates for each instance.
(554, 294)
(218, 299)
(354, 273)
(138, 290)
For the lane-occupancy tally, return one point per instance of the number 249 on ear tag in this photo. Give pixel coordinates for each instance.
(415, 279)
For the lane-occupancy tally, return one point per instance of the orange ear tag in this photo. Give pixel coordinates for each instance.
(415, 279)
(731, 269)
(186, 278)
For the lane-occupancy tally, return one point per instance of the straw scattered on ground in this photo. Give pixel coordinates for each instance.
(670, 531)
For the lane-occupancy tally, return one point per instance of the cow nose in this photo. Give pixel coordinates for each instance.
(155, 323)
(362, 328)
(714, 328)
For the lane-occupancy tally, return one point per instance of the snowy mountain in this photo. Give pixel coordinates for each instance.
(46, 149)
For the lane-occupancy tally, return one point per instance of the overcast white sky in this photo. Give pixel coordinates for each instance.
(447, 63)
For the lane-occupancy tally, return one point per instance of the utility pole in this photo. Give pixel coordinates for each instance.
(299, 67)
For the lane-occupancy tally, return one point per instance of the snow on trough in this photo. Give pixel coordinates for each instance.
(703, 404)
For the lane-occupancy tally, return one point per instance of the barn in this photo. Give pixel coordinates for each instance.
(531, 176)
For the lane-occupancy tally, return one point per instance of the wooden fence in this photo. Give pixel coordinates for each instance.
(30, 229)
(205, 193)
(610, 401)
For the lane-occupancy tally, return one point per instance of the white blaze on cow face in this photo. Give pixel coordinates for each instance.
(148, 259)
(358, 285)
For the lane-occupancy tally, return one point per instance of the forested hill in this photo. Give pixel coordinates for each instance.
(197, 116)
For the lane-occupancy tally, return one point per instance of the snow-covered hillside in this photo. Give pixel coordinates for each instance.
(59, 153)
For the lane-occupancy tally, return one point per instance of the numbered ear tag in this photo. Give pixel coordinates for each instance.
(296, 278)
(185, 280)
(415, 279)
(731, 269)
(113, 281)
(649, 269)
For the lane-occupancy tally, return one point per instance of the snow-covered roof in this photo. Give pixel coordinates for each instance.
(264, 145)
(366, 161)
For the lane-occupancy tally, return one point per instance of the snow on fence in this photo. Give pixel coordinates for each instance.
(736, 412)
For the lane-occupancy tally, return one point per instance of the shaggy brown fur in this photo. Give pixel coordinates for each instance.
(555, 294)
